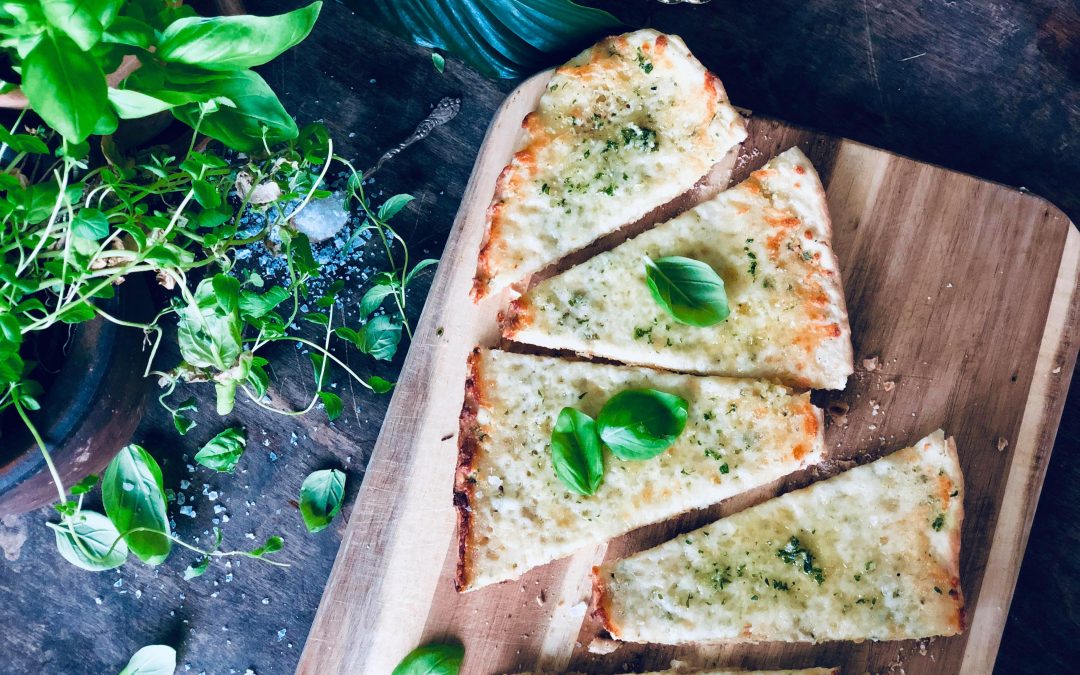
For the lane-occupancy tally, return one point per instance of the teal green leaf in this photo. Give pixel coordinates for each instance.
(499, 38)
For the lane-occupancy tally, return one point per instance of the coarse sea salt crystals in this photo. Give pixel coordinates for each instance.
(321, 219)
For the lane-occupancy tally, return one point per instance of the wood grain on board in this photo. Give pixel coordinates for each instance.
(962, 296)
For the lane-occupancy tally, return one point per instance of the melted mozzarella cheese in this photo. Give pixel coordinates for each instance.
(872, 553)
(740, 434)
(627, 126)
(768, 239)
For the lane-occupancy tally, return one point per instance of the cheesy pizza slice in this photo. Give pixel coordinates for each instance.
(870, 554)
(514, 513)
(625, 127)
(768, 240)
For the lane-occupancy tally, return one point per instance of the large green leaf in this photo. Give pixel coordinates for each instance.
(254, 107)
(97, 536)
(500, 38)
(321, 496)
(235, 42)
(65, 88)
(83, 21)
(134, 497)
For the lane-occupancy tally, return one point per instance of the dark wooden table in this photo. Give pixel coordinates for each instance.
(988, 88)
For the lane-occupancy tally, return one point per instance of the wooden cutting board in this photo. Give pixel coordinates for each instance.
(965, 293)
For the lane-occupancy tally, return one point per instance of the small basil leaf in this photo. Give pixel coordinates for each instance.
(392, 206)
(273, 545)
(85, 485)
(641, 423)
(255, 305)
(97, 534)
(222, 452)
(434, 659)
(379, 337)
(576, 453)
(332, 403)
(134, 497)
(152, 660)
(687, 289)
(198, 569)
(374, 297)
(235, 42)
(321, 496)
(418, 268)
(439, 62)
(379, 385)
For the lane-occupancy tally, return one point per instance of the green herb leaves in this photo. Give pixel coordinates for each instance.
(794, 553)
(152, 660)
(66, 88)
(83, 21)
(576, 453)
(433, 659)
(96, 545)
(687, 289)
(134, 499)
(321, 496)
(235, 42)
(222, 452)
(635, 424)
(641, 423)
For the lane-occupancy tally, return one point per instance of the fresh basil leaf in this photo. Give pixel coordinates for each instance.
(576, 452)
(241, 126)
(641, 423)
(85, 485)
(439, 62)
(126, 30)
(258, 380)
(316, 318)
(273, 545)
(379, 385)
(97, 534)
(321, 496)
(209, 336)
(256, 305)
(332, 403)
(130, 105)
(433, 659)
(198, 569)
(392, 206)
(134, 497)
(78, 313)
(235, 42)
(419, 267)
(302, 257)
(222, 452)
(11, 329)
(499, 38)
(65, 88)
(11, 368)
(379, 338)
(206, 194)
(373, 298)
(687, 289)
(20, 143)
(227, 292)
(91, 224)
(81, 20)
(152, 660)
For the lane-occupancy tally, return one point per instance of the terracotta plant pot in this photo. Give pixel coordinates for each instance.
(95, 394)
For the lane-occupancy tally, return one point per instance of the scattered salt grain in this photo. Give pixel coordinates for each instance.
(187, 511)
(870, 364)
(1002, 444)
(281, 635)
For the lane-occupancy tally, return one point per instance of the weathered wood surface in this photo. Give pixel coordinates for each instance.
(929, 258)
(992, 90)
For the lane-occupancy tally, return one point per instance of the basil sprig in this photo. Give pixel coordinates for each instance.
(635, 424)
(575, 451)
(687, 289)
(321, 496)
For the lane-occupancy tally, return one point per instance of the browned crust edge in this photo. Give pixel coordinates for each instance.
(954, 543)
(468, 449)
(517, 316)
(601, 602)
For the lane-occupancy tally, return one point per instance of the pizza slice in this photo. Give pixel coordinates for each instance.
(870, 554)
(768, 241)
(625, 127)
(514, 513)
